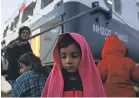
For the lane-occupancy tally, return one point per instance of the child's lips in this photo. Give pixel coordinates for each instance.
(71, 70)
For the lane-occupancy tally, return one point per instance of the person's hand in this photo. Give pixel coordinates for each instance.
(136, 88)
(21, 71)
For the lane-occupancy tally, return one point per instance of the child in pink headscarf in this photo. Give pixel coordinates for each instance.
(74, 73)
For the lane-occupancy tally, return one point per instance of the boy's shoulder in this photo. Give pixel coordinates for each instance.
(129, 60)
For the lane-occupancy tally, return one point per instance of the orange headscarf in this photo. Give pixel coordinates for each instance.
(92, 85)
(113, 46)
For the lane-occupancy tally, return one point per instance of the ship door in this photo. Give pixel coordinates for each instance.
(35, 43)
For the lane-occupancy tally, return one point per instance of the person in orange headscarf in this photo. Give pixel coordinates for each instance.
(117, 71)
(74, 73)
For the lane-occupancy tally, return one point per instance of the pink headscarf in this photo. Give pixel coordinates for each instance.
(92, 85)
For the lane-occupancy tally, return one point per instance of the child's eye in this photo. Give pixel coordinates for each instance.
(63, 56)
(75, 55)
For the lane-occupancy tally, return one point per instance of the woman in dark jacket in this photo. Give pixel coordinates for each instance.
(14, 50)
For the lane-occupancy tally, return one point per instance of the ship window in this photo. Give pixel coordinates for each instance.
(12, 26)
(5, 32)
(44, 3)
(117, 6)
(16, 21)
(48, 39)
(2, 43)
(28, 11)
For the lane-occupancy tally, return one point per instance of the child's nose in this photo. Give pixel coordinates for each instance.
(68, 60)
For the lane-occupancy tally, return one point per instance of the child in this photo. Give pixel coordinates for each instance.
(117, 71)
(32, 80)
(74, 73)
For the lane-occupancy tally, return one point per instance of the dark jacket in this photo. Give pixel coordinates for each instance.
(14, 50)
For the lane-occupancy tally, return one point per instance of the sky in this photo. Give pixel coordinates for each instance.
(8, 7)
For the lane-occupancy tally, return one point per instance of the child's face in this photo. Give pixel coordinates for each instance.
(24, 68)
(70, 57)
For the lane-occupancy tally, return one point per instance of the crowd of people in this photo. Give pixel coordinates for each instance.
(74, 73)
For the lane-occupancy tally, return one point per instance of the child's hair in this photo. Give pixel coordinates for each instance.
(66, 41)
(30, 59)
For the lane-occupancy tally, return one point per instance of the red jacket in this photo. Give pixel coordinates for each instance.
(73, 94)
(117, 72)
